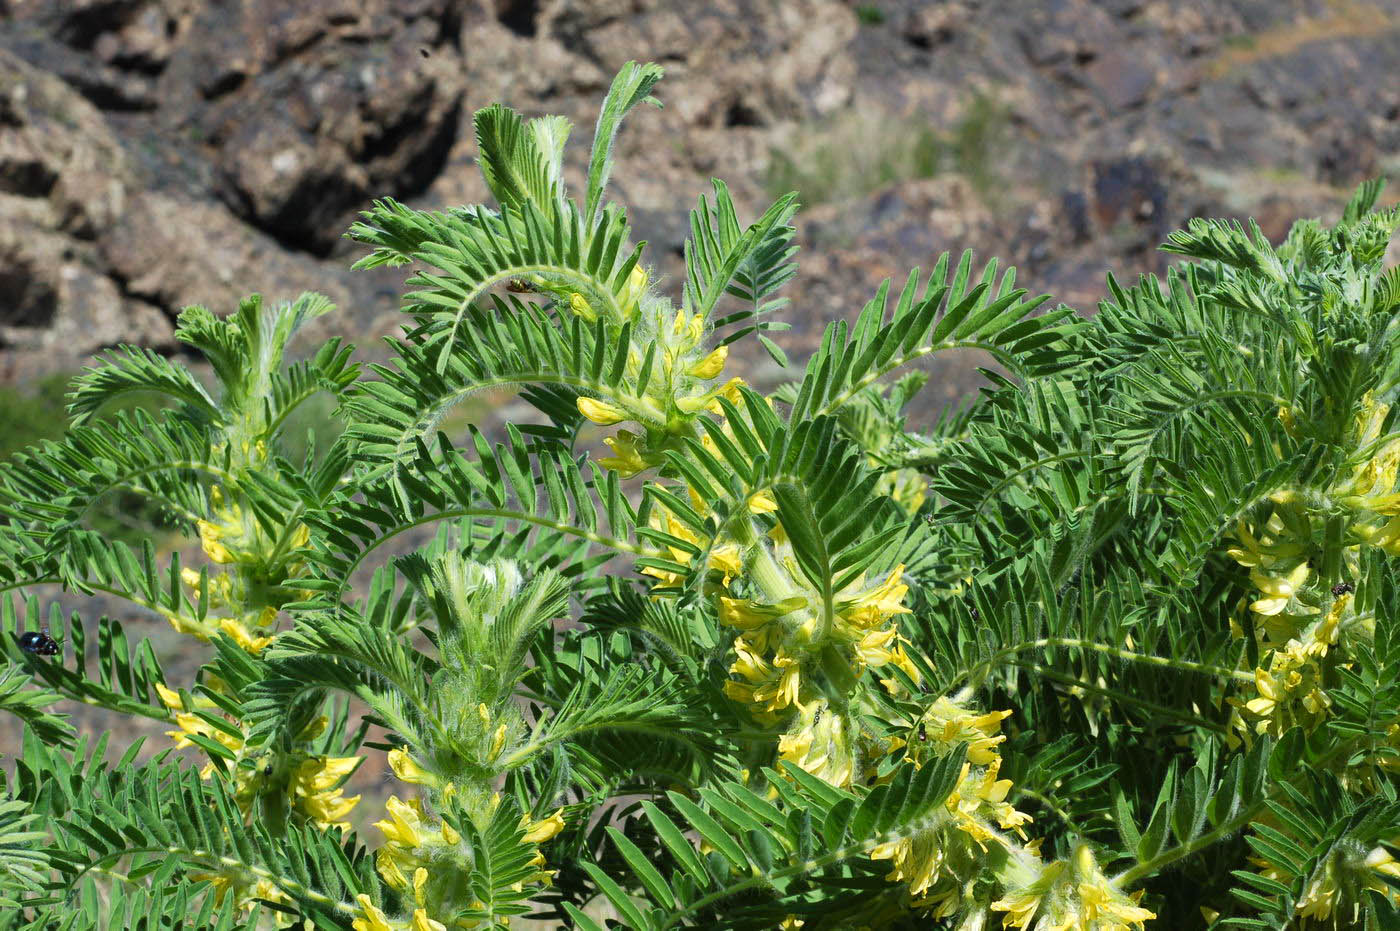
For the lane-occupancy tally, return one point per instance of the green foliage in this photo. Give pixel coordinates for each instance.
(859, 151)
(869, 14)
(1114, 645)
(28, 416)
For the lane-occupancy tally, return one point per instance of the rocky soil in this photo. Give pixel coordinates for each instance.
(159, 153)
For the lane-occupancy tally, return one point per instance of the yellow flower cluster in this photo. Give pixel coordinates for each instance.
(1292, 629)
(235, 540)
(1295, 636)
(1278, 568)
(777, 656)
(819, 742)
(242, 885)
(725, 557)
(1371, 488)
(1289, 692)
(414, 841)
(1072, 895)
(312, 787)
(372, 918)
(411, 841)
(943, 859)
(235, 537)
(679, 361)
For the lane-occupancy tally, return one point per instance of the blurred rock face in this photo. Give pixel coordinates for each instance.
(157, 153)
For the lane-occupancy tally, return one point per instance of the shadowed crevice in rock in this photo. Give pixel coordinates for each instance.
(520, 16)
(739, 113)
(30, 300)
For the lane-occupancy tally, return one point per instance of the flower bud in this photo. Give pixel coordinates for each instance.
(601, 412)
(711, 365)
(581, 307)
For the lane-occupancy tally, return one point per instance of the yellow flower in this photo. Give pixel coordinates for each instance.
(408, 770)
(879, 604)
(985, 794)
(898, 657)
(689, 328)
(632, 292)
(726, 560)
(752, 615)
(711, 365)
(537, 832)
(873, 649)
(1322, 894)
(313, 790)
(818, 744)
(209, 537)
(582, 308)
(1278, 589)
(409, 840)
(498, 742)
(1073, 895)
(371, 918)
(602, 413)
(421, 922)
(710, 399)
(762, 502)
(948, 723)
(782, 688)
(404, 826)
(627, 459)
(916, 860)
(743, 613)
(191, 724)
(243, 637)
(169, 697)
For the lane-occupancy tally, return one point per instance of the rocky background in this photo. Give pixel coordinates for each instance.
(159, 153)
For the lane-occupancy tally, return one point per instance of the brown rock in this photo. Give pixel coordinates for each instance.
(1121, 80)
(302, 147)
(173, 252)
(55, 145)
(57, 308)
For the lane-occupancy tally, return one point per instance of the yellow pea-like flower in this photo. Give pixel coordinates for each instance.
(602, 413)
(631, 297)
(209, 536)
(242, 636)
(627, 459)
(498, 742)
(581, 307)
(408, 770)
(537, 832)
(711, 365)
